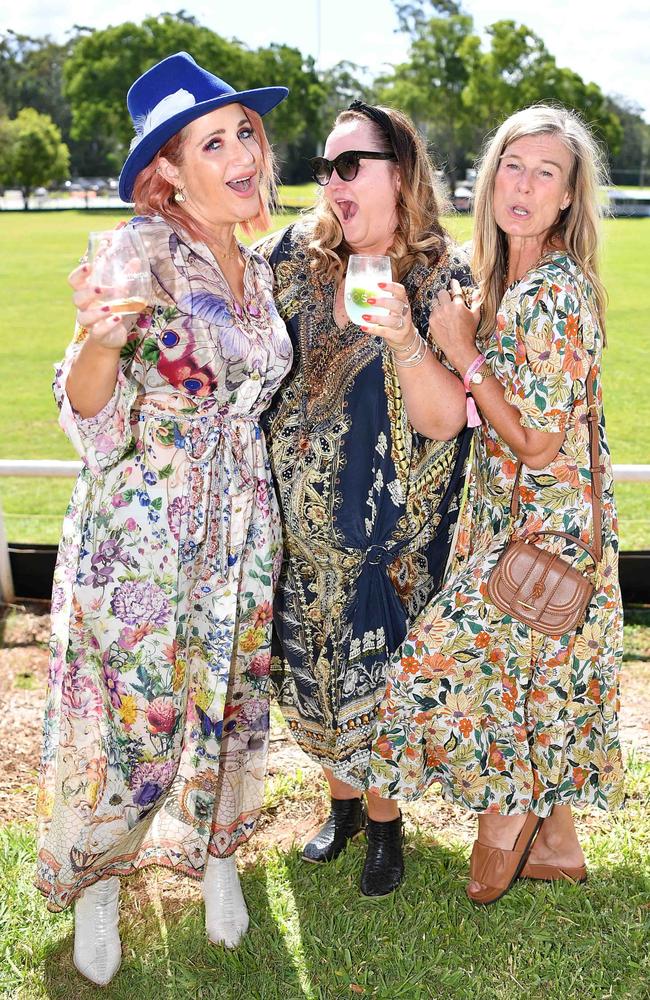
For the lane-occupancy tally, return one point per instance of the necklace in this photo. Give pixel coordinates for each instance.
(228, 254)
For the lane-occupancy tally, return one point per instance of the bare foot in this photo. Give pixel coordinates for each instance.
(557, 842)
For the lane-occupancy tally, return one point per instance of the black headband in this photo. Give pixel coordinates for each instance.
(402, 144)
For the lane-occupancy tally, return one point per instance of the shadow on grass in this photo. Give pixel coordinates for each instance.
(313, 937)
(167, 955)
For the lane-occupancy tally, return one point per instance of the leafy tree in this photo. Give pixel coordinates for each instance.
(518, 70)
(631, 164)
(430, 86)
(31, 152)
(103, 64)
(457, 92)
(413, 16)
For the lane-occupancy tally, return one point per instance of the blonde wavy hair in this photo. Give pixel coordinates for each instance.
(419, 236)
(153, 195)
(577, 227)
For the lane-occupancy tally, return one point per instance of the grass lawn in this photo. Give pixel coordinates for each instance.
(313, 937)
(41, 248)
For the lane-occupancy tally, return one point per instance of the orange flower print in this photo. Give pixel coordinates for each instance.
(466, 727)
(496, 758)
(437, 665)
(409, 665)
(573, 362)
(544, 739)
(566, 471)
(540, 697)
(482, 640)
(508, 701)
(383, 747)
(436, 755)
(593, 690)
(571, 327)
(579, 776)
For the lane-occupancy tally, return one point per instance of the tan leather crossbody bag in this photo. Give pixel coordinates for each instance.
(537, 587)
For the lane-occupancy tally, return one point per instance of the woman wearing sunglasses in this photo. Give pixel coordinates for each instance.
(369, 498)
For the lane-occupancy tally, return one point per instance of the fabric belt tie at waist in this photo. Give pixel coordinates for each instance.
(377, 604)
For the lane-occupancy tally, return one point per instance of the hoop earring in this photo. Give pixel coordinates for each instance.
(179, 196)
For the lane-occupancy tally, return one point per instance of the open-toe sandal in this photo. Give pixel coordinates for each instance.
(497, 869)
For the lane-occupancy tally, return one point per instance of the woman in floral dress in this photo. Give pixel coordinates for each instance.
(156, 725)
(515, 725)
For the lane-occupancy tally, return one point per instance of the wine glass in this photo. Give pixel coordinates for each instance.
(120, 269)
(362, 282)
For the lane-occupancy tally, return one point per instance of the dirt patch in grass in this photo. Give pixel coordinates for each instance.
(295, 802)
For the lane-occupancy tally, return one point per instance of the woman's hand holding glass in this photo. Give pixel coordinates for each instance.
(112, 287)
(395, 324)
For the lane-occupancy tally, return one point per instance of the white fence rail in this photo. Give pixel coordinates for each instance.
(43, 468)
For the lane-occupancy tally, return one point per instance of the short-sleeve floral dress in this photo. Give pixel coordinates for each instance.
(156, 722)
(504, 718)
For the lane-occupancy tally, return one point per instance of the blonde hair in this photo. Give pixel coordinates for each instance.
(153, 195)
(419, 236)
(578, 225)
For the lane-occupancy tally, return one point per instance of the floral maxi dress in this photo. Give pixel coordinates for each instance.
(504, 718)
(156, 723)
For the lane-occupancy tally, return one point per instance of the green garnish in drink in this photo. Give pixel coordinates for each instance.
(360, 296)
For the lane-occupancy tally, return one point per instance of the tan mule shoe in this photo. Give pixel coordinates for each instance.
(497, 869)
(554, 873)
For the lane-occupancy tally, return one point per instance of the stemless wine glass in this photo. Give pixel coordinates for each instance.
(120, 269)
(362, 282)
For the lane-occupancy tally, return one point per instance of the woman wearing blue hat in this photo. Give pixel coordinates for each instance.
(156, 726)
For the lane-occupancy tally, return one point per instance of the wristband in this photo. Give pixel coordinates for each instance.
(473, 418)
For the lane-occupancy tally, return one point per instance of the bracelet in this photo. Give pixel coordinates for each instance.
(473, 418)
(416, 358)
(474, 367)
(407, 347)
(411, 357)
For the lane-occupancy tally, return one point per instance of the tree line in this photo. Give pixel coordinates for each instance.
(63, 112)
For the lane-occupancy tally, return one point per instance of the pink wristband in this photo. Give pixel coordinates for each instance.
(473, 418)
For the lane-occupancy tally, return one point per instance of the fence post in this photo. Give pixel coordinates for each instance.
(7, 593)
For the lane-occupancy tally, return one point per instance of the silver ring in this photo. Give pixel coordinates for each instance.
(405, 308)
(401, 322)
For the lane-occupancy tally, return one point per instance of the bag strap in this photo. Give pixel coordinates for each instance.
(596, 471)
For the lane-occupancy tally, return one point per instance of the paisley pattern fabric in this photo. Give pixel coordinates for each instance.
(504, 718)
(156, 723)
(368, 508)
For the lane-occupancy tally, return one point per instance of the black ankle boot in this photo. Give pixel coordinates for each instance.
(384, 867)
(347, 818)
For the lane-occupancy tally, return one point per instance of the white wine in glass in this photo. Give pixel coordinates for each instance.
(120, 269)
(362, 282)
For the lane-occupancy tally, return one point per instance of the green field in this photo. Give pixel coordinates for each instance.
(41, 248)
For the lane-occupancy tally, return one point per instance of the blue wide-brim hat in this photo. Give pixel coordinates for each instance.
(170, 95)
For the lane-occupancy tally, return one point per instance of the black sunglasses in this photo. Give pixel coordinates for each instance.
(346, 164)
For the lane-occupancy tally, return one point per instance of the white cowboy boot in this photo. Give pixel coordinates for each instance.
(97, 949)
(226, 916)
